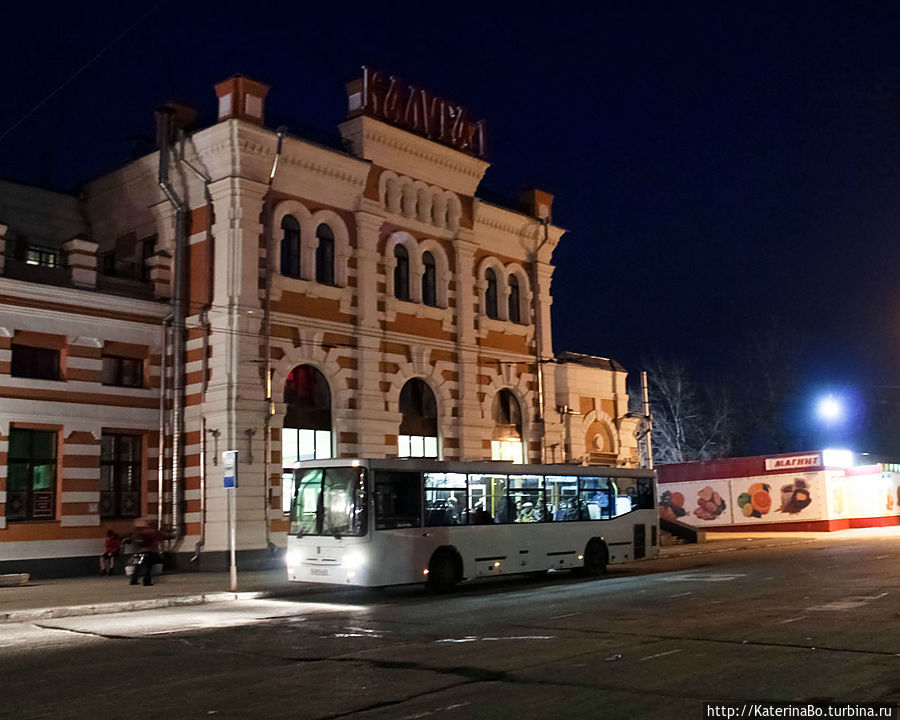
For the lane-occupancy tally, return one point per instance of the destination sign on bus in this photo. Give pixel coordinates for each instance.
(388, 98)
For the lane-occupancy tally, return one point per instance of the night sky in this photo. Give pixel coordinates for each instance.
(725, 170)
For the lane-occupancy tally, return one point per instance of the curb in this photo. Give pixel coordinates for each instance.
(19, 616)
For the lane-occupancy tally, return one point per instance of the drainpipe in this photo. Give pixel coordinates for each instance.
(164, 122)
(160, 473)
(267, 334)
(204, 321)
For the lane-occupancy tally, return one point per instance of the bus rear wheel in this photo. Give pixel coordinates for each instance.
(595, 558)
(443, 571)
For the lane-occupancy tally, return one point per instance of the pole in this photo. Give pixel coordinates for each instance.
(648, 419)
(232, 522)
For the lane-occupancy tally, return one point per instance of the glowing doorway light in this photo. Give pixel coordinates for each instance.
(830, 409)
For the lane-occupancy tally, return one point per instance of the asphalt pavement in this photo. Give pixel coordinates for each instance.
(70, 597)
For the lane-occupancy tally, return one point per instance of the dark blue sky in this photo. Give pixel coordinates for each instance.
(723, 168)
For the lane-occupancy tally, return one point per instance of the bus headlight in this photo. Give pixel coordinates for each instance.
(293, 558)
(354, 559)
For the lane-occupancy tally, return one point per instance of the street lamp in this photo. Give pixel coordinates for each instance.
(830, 409)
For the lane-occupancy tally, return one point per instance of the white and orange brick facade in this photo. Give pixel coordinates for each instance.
(392, 193)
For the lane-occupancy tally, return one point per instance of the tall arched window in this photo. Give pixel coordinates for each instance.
(306, 434)
(490, 294)
(429, 280)
(290, 247)
(401, 273)
(325, 255)
(506, 441)
(418, 428)
(514, 312)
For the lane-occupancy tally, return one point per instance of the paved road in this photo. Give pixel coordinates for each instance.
(651, 640)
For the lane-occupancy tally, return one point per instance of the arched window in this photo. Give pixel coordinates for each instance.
(506, 441)
(514, 311)
(490, 294)
(429, 280)
(325, 255)
(290, 247)
(401, 273)
(306, 434)
(418, 428)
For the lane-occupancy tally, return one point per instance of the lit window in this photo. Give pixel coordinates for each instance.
(31, 475)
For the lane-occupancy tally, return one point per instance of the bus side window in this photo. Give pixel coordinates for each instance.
(594, 498)
(398, 499)
(644, 494)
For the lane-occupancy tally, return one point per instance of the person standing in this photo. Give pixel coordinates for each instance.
(147, 540)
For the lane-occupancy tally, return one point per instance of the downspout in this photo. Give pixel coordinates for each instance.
(164, 138)
(204, 321)
(267, 333)
(160, 472)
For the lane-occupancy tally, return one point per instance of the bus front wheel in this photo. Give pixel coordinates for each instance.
(443, 571)
(594, 558)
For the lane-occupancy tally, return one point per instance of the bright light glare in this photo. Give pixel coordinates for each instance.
(830, 408)
(354, 559)
(832, 457)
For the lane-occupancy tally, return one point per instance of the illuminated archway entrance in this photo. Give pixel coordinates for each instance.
(418, 435)
(506, 441)
(306, 433)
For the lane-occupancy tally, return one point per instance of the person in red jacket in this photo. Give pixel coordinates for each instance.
(111, 549)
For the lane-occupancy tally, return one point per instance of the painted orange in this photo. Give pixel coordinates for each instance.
(422, 327)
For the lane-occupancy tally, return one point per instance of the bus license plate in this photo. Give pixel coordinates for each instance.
(318, 571)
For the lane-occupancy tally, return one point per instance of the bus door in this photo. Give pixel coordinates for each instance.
(640, 541)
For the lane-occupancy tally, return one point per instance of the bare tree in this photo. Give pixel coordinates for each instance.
(690, 421)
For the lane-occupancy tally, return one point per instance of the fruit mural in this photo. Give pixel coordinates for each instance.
(755, 501)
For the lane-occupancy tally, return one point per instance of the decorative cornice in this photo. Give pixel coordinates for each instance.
(469, 169)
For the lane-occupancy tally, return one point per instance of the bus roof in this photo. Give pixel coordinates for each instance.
(486, 467)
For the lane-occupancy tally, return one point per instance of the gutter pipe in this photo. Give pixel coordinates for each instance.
(204, 321)
(267, 333)
(164, 137)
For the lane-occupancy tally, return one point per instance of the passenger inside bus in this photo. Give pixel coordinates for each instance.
(527, 513)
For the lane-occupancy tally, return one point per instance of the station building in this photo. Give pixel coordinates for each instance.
(243, 289)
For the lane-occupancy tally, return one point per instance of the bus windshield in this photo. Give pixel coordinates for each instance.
(329, 501)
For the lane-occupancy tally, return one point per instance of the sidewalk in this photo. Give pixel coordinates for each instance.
(44, 599)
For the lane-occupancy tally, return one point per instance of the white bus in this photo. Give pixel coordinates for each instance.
(391, 522)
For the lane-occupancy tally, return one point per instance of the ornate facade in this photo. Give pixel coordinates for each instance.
(360, 301)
